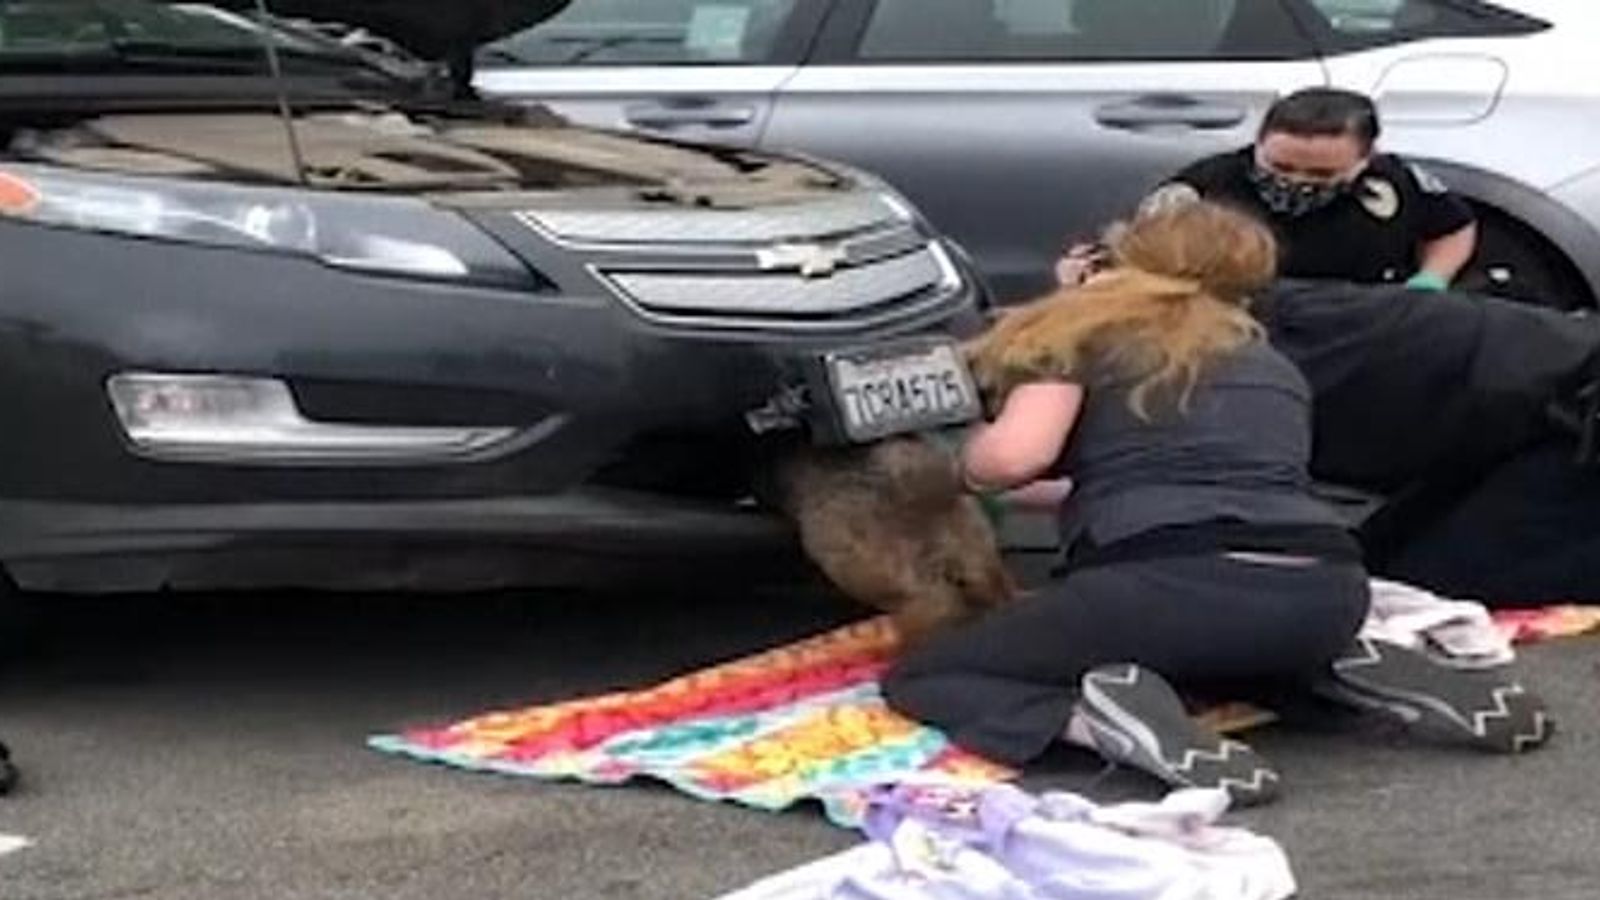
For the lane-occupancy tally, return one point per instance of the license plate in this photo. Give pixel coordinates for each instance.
(884, 392)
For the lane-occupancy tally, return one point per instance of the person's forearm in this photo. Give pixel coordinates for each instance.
(1024, 440)
(1445, 257)
(983, 470)
(989, 463)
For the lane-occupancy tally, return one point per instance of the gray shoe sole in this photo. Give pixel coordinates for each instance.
(1478, 708)
(1136, 718)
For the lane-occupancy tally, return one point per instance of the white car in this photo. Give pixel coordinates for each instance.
(1020, 124)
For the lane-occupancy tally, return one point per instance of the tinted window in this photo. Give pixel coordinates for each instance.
(645, 32)
(1387, 21)
(1107, 30)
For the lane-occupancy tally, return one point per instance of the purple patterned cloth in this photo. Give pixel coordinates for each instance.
(929, 842)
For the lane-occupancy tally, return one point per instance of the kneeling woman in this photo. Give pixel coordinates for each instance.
(1195, 550)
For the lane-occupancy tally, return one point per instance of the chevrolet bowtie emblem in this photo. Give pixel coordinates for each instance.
(810, 260)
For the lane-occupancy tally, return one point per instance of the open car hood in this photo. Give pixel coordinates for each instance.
(431, 29)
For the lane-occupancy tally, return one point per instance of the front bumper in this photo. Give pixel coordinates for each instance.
(455, 545)
(630, 427)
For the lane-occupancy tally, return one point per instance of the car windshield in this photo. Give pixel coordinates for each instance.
(140, 34)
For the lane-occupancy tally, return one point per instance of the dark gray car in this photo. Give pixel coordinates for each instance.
(298, 330)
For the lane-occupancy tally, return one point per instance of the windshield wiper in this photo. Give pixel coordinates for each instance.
(587, 47)
(351, 69)
(591, 46)
(141, 51)
(501, 54)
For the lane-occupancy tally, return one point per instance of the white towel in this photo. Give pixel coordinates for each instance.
(1066, 848)
(1458, 633)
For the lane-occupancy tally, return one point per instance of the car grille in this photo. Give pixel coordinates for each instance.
(824, 218)
(842, 263)
(903, 285)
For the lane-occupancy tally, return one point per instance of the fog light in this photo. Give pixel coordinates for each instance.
(230, 419)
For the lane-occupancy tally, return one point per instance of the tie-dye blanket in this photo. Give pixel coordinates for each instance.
(1525, 626)
(804, 721)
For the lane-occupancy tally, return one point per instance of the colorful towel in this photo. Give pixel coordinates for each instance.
(1546, 623)
(802, 722)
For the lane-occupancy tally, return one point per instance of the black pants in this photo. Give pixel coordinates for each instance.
(1527, 533)
(1004, 687)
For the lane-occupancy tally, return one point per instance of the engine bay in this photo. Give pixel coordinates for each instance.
(385, 148)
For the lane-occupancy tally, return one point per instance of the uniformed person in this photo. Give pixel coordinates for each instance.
(1340, 210)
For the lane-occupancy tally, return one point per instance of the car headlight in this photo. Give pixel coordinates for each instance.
(891, 196)
(387, 235)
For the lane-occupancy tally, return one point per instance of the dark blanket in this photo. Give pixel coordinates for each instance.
(1442, 402)
(1408, 384)
(1527, 534)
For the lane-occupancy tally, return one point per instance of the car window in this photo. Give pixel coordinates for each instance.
(53, 26)
(1090, 30)
(66, 32)
(647, 32)
(1366, 16)
(1381, 21)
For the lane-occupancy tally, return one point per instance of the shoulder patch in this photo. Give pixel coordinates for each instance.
(1429, 182)
(1379, 197)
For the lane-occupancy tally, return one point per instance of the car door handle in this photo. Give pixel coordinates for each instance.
(1169, 110)
(706, 115)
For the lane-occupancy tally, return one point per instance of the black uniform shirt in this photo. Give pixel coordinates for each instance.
(1369, 235)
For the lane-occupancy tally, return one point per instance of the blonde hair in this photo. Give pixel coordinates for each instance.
(1175, 299)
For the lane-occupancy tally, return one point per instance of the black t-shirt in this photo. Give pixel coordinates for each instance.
(1369, 235)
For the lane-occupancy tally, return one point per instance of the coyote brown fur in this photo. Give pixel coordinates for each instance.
(891, 526)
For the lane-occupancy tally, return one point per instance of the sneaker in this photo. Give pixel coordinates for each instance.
(1134, 717)
(1476, 707)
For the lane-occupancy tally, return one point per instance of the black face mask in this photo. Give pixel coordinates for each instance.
(1294, 199)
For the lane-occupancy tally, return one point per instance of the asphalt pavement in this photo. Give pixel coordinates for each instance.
(212, 747)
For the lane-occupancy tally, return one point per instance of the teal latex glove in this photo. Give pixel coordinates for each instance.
(951, 440)
(1428, 281)
(994, 508)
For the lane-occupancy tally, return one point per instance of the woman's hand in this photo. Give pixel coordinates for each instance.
(1080, 262)
(1444, 258)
